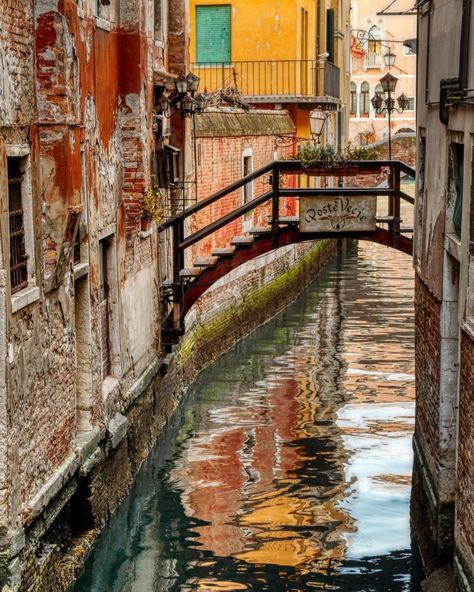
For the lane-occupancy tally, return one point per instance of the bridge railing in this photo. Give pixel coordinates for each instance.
(279, 191)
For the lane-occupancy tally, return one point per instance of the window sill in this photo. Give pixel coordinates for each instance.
(102, 23)
(468, 327)
(110, 387)
(452, 244)
(145, 233)
(24, 298)
(80, 270)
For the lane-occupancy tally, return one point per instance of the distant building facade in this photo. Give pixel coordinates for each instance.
(291, 54)
(373, 35)
(444, 294)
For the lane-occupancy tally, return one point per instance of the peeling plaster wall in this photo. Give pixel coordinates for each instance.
(76, 97)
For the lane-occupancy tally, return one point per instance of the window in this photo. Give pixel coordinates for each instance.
(411, 104)
(364, 99)
(379, 91)
(458, 170)
(160, 19)
(101, 8)
(167, 166)
(18, 255)
(353, 99)
(213, 34)
(375, 40)
(330, 33)
(408, 50)
(247, 169)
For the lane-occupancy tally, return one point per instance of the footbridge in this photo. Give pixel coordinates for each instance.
(372, 213)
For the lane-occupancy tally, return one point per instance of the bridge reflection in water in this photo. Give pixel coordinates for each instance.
(288, 466)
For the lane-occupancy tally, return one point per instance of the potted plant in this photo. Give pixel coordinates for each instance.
(153, 206)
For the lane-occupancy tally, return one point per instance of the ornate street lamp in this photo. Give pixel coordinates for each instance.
(387, 104)
(181, 85)
(183, 100)
(193, 82)
(389, 83)
(317, 119)
(389, 59)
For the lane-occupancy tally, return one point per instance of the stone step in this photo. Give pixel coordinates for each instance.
(285, 219)
(190, 272)
(206, 261)
(261, 230)
(242, 241)
(223, 252)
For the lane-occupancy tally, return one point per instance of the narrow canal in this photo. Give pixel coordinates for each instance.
(288, 465)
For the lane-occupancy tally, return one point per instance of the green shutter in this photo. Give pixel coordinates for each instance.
(330, 31)
(213, 39)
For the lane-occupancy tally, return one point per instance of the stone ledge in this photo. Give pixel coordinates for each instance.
(117, 430)
(50, 489)
(24, 298)
(140, 385)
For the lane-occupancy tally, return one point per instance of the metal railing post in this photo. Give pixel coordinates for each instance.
(396, 200)
(275, 205)
(178, 264)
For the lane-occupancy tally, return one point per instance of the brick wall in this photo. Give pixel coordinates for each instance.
(427, 343)
(219, 165)
(465, 468)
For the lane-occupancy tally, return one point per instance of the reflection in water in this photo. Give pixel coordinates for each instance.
(288, 466)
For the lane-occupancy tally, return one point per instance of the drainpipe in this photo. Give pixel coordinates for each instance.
(465, 42)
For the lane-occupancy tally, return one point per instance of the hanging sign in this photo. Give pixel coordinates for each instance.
(338, 214)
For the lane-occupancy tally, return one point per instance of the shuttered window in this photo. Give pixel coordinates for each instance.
(213, 34)
(330, 32)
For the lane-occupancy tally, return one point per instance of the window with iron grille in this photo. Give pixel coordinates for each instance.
(18, 255)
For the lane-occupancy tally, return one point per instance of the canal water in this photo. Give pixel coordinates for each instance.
(288, 466)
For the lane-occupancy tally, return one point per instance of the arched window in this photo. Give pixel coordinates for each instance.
(364, 99)
(375, 40)
(379, 91)
(353, 99)
(373, 58)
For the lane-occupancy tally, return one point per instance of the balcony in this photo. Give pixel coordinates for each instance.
(374, 60)
(274, 81)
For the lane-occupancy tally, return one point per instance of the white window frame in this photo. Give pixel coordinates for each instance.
(164, 23)
(31, 293)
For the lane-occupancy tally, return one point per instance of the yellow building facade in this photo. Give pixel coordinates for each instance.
(291, 54)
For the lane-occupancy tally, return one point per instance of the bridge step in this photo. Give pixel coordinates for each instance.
(206, 261)
(242, 241)
(190, 272)
(384, 219)
(407, 230)
(285, 219)
(261, 231)
(223, 252)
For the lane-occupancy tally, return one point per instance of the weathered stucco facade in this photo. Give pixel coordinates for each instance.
(444, 261)
(79, 281)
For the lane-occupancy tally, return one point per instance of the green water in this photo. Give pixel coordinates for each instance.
(287, 467)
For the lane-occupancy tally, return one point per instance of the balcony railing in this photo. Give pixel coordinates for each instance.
(373, 60)
(271, 79)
